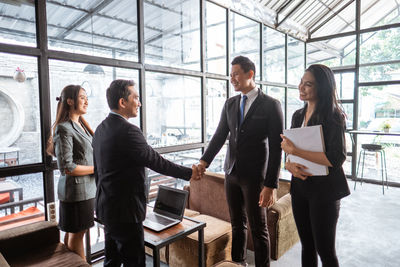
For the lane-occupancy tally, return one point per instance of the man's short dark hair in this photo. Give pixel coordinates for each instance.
(246, 64)
(118, 89)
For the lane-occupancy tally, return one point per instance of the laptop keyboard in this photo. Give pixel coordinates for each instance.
(159, 219)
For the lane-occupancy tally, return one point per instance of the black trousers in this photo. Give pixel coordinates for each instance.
(243, 195)
(316, 223)
(124, 244)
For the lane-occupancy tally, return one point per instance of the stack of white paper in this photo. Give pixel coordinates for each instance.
(308, 138)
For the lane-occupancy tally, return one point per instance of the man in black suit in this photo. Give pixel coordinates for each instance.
(121, 154)
(254, 123)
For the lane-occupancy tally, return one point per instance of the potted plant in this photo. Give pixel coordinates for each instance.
(386, 126)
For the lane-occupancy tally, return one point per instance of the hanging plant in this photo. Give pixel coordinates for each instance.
(19, 75)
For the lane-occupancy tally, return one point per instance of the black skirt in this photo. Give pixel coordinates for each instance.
(76, 216)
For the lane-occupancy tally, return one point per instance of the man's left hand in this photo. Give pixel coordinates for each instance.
(266, 197)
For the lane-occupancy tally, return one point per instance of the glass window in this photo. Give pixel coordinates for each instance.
(172, 33)
(186, 158)
(217, 165)
(274, 55)
(216, 97)
(295, 60)
(20, 134)
(348, 109)
(215, 38)
(380, 106)
(18, 23)
(343, 21)
(293, 103)
(63, 73)
(232, 91)
(378, 47)
(345, 85)
(333, 52)
(107, 30)
(378, 13)
(23, 193)
(173, 105)
(279, 94)
(245, 39)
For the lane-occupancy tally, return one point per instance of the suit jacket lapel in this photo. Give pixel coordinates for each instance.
(80, 131)
(235, 111)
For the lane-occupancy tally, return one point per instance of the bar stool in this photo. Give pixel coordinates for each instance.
(374, 148)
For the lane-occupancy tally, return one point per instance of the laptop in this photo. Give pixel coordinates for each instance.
(168, 209)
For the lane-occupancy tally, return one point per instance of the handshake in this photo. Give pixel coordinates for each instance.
(198, 170)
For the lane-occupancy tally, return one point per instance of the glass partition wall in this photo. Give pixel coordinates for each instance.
(360, 45)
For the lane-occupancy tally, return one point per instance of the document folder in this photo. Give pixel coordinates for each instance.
(310, 138)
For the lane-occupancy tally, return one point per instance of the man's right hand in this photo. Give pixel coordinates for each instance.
(201, 167)
(195, 173)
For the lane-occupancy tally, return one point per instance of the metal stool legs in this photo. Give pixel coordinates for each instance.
(361, 157)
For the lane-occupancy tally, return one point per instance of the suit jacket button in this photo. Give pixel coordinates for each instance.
(242, 131)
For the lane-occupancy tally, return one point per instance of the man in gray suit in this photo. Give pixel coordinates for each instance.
(254, 122)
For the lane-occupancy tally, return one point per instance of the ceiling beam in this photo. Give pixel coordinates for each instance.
(277, 24)
(319, 18)
(84, 18)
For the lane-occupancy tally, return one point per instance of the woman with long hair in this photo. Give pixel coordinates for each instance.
(71, 143)
(316, 199)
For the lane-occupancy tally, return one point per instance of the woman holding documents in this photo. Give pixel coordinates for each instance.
(316, 199)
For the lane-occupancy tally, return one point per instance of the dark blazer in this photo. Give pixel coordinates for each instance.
(73, 146)
(333, 186)
(121, 154)
(255, 146)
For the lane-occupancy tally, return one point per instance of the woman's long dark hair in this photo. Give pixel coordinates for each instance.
(327, 108)
(63, 109)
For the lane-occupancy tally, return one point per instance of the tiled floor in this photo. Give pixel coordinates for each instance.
(368, 231)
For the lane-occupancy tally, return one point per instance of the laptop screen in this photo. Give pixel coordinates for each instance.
(170, 201)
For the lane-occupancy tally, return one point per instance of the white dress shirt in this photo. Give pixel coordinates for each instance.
(251, 96)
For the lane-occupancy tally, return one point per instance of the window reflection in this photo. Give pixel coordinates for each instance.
(295, 60)
(279, 94)
(216, 97)
(345, 85)
(107, 30)
(173, 105)
(388, 13)
(215, 38)
(63, 73)
(172, 33)
(217, 165)
(246, 40)
(333, 52)
(274, 55)
(21, 200)
(379, 106)
(20, 141)
(18, 23)
(186, 158)
(293, 103)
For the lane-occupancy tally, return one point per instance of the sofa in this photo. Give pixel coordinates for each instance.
(37, 244)
(207, 196)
